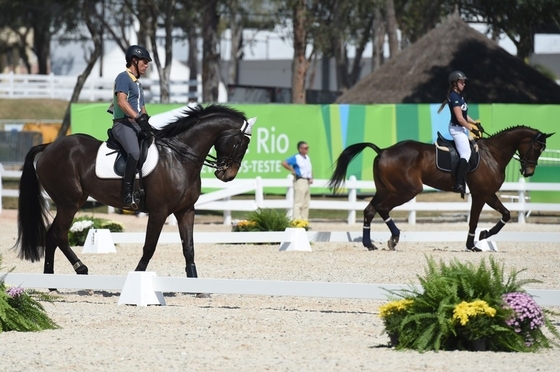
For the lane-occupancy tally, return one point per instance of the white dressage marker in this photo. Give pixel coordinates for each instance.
(295, 239)
(99, 241)
(139, 290)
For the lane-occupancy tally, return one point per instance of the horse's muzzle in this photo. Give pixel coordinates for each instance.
(527, 171)
(227, 174)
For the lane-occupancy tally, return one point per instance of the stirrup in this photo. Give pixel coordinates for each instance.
(130, 204)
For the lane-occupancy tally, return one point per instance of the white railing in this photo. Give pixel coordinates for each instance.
(221, 199)
(95, 89)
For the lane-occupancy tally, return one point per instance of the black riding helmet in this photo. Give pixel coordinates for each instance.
(457, 75)
(138, 52)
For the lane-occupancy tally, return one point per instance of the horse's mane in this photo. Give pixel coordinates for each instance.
(193, 115)
(511, 128)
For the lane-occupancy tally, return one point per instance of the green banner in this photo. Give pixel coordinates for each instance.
(330, 128)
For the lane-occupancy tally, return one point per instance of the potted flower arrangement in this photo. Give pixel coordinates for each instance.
(268, 220)
(393, 314)
(81, 225)
(20, 310)
(461, 306)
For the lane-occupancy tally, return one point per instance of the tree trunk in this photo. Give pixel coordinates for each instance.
(92, 25)
(378, 40)
(193, 63)
(210, 53)
(299, 62)
(236, 51)
(391, 20)
(41, 46)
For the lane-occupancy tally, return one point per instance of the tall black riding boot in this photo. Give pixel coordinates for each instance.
(128, 184)
(460, 177)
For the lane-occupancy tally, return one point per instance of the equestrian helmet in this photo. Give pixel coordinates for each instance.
(138, 52)
(457, 75)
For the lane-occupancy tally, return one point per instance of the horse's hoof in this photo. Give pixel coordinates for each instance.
(371, 248)
(203, 295)
(474, 249)
(392, 242)
(483, 235)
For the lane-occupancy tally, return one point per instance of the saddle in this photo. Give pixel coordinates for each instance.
(447, 156)
(111, 162)
(120, 162)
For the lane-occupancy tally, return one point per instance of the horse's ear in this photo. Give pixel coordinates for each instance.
(550, 134)
(251, 122)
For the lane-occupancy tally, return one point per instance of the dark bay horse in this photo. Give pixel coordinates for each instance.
(400, 170)
(66, 171)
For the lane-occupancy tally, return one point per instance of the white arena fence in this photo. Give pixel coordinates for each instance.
(221, 199)
(146, 288)
(95, 89)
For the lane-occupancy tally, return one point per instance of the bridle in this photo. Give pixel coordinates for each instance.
(233, 155)
(523, 159)
(539, 138)
(210, 160)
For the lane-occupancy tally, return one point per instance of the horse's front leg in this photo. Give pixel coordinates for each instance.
(186, 224)
(495, 203)
(156, 220)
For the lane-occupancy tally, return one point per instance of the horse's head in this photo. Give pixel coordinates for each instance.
(529, 150)
(230, 149)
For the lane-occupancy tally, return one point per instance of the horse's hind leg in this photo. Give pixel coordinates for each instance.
(369, 214)
(57, 236)
(373, 207)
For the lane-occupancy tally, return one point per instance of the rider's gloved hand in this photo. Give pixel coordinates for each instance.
(479, 126)
(142, 121)
(144, 134)
(475, 132)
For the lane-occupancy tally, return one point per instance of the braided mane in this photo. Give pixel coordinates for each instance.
(511, 128)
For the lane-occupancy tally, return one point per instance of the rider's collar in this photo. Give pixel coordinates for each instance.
(132, 76)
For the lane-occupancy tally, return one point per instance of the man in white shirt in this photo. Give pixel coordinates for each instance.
(300, 167)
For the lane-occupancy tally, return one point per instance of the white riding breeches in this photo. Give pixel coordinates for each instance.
(461, 138)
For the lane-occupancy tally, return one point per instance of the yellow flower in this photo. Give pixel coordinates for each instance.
(300, 223)
(246, 224)
(466, 310)
(394, 307)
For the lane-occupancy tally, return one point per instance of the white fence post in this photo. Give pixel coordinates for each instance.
(227, 213)
(521, 201)
(412, 213)
(352, 198)
(259, 192)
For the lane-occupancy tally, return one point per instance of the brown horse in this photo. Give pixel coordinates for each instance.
(400, 171)
(66, 171)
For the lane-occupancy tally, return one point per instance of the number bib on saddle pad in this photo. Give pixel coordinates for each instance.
(447, 156)
(106, 157)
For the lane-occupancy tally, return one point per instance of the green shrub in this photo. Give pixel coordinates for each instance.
(81, 225)
(458, 304)
(268, 220)
(20, 310)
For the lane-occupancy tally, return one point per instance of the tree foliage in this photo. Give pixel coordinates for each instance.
(518, 19)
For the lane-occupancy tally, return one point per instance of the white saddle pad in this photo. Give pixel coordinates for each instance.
(106, 160)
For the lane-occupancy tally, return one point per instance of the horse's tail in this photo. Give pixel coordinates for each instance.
(344, 160)
(32, 211)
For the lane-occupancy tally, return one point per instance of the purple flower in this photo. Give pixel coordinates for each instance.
(527, 315)
(15, 292)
